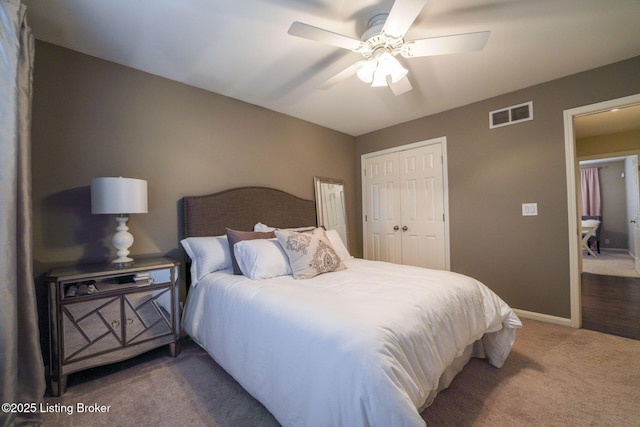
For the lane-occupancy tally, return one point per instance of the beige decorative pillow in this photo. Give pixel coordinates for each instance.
(310, 253)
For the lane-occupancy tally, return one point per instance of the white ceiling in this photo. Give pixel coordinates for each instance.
(241, 49)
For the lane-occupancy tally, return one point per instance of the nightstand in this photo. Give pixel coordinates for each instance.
(100, 315)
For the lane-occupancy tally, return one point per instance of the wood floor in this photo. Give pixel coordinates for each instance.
(611, 304)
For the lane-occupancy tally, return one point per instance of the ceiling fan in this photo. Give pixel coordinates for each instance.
(383, 41)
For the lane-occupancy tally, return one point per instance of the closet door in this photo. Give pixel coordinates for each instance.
(422, 206)
(382, 209)
(404, 207)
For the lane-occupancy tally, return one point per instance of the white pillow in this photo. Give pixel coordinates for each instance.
(261, 258)
(264, 228)
(338, 245)
(309, 253)
(208, 254)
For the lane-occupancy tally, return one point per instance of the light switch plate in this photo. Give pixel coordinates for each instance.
(529, 209)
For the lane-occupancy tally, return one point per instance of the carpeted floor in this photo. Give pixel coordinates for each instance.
(609, 263)
(555, 376)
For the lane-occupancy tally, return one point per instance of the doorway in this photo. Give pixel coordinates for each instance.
(575, 246)
(610, 284)
(612, 198)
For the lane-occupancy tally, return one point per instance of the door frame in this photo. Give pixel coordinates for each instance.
(572, 195)
(442, 140)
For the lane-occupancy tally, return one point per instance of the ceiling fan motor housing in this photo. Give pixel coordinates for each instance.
(375, 40)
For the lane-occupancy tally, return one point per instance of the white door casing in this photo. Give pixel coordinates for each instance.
(635, 223)
(572, 198)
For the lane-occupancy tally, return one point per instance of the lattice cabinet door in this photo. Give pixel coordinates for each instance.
(91, 327)
(147, 315)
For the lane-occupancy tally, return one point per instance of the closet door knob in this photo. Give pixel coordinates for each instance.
(396, 228)
(404, 228)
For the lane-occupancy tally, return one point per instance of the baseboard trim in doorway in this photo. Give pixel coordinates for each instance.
(561, 321)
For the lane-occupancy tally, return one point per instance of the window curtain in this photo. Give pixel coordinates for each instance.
(22, 377)
(590, 191)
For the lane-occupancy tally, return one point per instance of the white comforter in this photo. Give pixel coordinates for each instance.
(361, 347)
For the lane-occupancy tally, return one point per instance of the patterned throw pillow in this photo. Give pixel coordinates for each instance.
(309, 253)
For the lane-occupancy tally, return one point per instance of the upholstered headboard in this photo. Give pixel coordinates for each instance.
(241, 208)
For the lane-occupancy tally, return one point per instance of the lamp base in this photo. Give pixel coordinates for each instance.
(122, 241)
(116, 265)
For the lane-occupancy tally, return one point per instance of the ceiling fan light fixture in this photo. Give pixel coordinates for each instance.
(379, 77)
(366, 71)
(376, 70)
(383, 40)
(391, 67)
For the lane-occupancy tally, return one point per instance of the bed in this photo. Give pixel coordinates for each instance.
(367, 344)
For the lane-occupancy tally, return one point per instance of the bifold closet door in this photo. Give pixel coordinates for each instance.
(404, 207)
(382, 211)
(422, 207)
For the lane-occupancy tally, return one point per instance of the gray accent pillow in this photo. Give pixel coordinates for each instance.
(310, 253)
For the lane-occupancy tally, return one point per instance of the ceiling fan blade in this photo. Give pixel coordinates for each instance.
(401, 16)
(401, 86)
(310, 32)
(342, 75)
(470, 42)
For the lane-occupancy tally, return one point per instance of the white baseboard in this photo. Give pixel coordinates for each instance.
(562, 321)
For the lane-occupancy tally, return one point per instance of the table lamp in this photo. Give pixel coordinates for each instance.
(119, 196)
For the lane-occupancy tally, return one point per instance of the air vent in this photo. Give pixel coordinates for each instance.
(511, 115)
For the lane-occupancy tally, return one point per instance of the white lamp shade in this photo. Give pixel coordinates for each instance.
(375, 70)
(118, 195)
(365, 72)
(379, 78)
(396, 70)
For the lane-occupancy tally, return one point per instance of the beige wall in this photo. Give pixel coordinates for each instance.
(622, 142)
(493, 171)
(95, 118)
